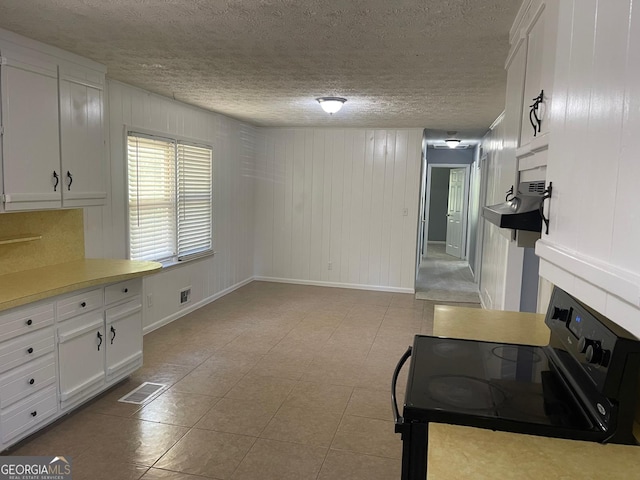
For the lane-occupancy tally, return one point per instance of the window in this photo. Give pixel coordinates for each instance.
(170, 198)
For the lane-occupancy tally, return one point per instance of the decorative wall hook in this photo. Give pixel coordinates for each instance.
(546, 194)
(509, 194)
(536, 122)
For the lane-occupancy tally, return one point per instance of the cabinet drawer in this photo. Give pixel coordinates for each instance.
(25, 348)
(78, 304)
(26, 380)
(122, 291)
(25, 415)
(25, 320)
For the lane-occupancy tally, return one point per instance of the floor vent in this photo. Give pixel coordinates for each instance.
(144, 393)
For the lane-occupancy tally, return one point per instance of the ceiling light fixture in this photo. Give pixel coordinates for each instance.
(331, 105)
(452, 142)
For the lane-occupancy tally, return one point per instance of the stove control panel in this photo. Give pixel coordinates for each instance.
(597, 346)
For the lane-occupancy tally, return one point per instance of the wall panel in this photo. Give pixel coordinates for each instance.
(338, 198)
(233, 199)
(497, 250)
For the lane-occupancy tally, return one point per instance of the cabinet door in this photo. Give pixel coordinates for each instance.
(30, 143)
(541, 46)
(82, 141)
(81, 354)
(124, 338)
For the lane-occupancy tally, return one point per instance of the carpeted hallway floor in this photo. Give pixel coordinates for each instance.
(442, 277)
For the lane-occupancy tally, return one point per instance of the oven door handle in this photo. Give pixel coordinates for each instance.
(398, 420)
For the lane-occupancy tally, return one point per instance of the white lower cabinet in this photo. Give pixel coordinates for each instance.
(56, 355)
(28, 390)
(81, 347)
(124, 335)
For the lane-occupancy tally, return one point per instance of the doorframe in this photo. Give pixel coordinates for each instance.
(421, 240)
(482, 201)
(465, 210)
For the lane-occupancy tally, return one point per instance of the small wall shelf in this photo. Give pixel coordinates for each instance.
(20, 238)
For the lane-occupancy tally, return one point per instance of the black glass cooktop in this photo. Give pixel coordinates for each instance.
(456, 381)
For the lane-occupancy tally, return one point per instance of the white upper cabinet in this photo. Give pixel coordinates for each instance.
(81, 137)
(533, 45)
(592, 249)
(541, 36)
(52, 113)
(30, 140)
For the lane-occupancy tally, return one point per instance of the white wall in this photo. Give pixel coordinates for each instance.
(592, 250)
(338, 195)
(233, 190)
(501, 272)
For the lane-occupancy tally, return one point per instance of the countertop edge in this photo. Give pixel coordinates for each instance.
(50, 281)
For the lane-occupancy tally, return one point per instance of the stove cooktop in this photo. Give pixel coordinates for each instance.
(582, 386)
(457, 381)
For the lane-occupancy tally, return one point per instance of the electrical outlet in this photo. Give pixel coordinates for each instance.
(185, 295)
(149, 300)
(330, 265)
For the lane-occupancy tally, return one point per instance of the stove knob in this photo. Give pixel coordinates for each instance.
(584, 343)
(594, 353)
(560, 314)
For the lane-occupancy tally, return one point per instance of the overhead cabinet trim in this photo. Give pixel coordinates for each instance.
(614, 280)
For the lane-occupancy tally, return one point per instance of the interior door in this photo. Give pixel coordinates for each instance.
(455, 207)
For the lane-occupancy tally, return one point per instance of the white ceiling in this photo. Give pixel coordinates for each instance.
(437, 64)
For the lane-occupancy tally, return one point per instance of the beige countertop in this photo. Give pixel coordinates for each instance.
(457, 452)
(490, 325)
(28, 286)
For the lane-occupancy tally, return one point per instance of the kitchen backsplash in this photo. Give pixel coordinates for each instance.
(62, 239)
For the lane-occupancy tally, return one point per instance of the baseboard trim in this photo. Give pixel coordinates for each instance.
(354, 286)
(166, 320)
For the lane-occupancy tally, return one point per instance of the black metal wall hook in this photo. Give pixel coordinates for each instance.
(509, 194)
(536, 122)
(546, 194)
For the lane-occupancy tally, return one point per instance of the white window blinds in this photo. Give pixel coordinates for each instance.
(194, 200)
(170, 198)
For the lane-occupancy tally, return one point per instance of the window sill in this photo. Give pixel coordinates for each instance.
(174, 262)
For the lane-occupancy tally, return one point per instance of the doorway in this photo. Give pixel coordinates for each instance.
(443, 272)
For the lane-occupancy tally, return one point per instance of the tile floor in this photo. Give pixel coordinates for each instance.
(271, 382)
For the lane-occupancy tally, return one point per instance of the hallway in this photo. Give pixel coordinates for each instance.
(444, 278)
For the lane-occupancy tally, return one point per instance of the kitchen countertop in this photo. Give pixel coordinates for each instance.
(490, 325)
(457, 452)
(28, 286)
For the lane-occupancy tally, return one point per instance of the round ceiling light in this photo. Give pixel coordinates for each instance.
(331, 105)
(452, 142)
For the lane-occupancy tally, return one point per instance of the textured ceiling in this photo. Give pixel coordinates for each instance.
(437, 64)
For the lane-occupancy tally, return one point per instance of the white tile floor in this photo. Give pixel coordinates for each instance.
(271, 382)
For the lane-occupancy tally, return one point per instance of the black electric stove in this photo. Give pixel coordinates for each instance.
(583, 385)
